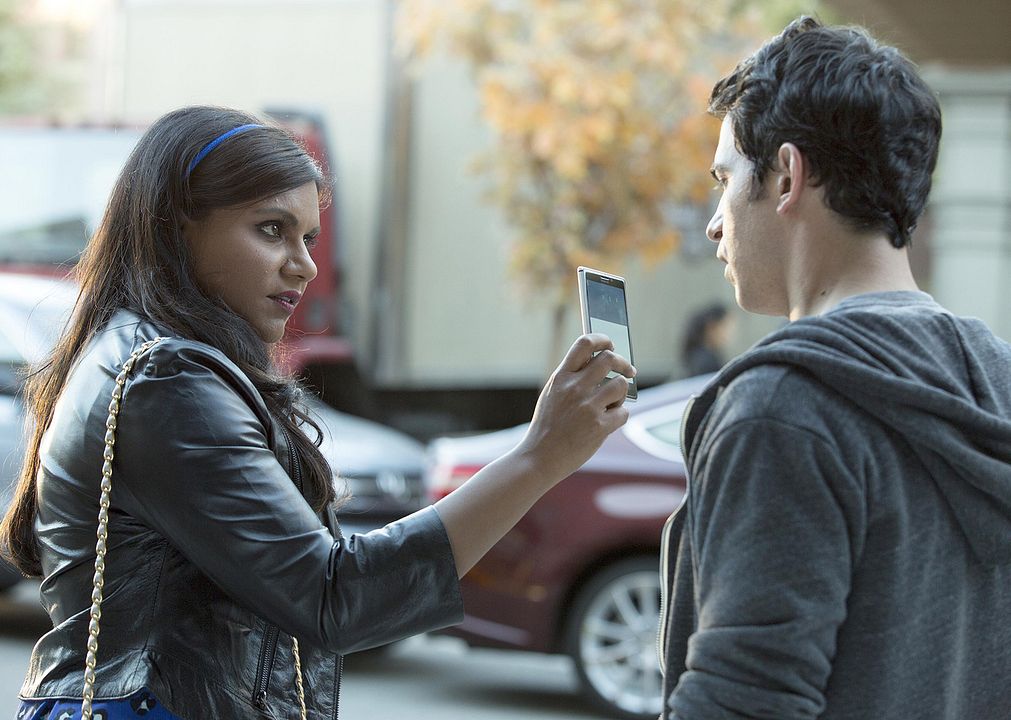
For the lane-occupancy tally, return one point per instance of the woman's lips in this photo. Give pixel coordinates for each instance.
(286, 301)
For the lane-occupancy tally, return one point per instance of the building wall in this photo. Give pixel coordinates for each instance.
(966, 58)
(971, 200)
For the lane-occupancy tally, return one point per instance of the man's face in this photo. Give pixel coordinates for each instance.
(747, 231)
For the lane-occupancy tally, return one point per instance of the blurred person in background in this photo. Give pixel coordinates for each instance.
(229, 590)
(844, 550)
(705, 341)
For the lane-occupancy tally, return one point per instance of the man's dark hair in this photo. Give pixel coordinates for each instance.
(859, 112)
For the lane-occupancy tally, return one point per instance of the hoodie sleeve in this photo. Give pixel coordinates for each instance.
(772, 517)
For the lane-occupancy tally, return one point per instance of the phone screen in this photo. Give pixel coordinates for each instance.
(607, 312)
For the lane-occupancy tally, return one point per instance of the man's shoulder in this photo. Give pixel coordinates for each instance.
(787, 396)
(775, 391)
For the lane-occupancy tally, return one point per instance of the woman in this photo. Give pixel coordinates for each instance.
(228, 589)
(705, 339)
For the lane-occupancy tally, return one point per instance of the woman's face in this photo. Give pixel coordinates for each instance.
(256, 257)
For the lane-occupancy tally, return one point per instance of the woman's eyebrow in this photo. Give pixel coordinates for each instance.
(274, 211)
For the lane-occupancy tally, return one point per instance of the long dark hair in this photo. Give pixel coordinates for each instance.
(139, 260)
(866, 122)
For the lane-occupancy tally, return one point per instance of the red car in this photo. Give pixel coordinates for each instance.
(579, 574)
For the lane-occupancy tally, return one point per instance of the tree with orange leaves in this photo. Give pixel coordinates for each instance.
(598, 112)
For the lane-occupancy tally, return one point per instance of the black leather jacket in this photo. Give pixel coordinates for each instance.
(214, 557)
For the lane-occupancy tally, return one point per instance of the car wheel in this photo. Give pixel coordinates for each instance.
(612, 637)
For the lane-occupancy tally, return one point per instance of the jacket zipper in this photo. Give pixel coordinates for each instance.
(339, 670)
(293, 463)
(265, 666)
(296, 467)
(338, 673)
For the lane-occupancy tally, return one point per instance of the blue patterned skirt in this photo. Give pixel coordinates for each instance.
(142, 704)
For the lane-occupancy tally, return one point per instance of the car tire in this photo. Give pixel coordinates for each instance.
(611, 635)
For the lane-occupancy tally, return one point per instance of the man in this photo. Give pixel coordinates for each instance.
(845, 547)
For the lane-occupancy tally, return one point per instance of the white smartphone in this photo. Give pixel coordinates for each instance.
(604, 310)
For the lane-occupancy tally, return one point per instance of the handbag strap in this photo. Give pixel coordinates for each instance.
(91, 660)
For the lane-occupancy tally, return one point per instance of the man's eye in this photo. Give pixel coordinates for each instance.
(271, 228)
(311, 242)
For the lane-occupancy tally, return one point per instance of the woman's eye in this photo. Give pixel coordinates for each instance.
(272, 228)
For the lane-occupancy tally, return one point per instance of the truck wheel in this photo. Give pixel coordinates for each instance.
(612, 638)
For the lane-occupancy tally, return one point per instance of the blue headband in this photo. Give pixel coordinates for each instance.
(217, 141)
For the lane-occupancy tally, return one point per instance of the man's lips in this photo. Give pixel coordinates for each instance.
(727, 273)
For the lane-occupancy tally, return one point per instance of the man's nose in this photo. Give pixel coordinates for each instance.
(714, 230)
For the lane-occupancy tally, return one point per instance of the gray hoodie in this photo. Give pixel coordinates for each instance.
(845, 548)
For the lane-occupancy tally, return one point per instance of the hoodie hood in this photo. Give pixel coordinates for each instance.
(941, 382)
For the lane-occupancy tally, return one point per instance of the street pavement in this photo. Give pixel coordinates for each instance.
(424, 677)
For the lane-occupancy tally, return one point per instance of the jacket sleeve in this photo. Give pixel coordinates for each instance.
(771, 517)
(193, 462)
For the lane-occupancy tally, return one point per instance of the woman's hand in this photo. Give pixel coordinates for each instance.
(577, 409)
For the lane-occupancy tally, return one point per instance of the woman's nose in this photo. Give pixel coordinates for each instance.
(301, 264)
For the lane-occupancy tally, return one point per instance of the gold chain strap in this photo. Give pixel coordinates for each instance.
(298, 677)
(103, 533)
(103, 527)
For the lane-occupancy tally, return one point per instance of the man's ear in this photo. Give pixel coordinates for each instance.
(792, 180)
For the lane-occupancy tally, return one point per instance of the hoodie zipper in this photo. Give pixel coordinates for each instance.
(661, 636)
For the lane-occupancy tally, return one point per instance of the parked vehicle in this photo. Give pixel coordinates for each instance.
(381, 467)
(33, 310)
(579, 574)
